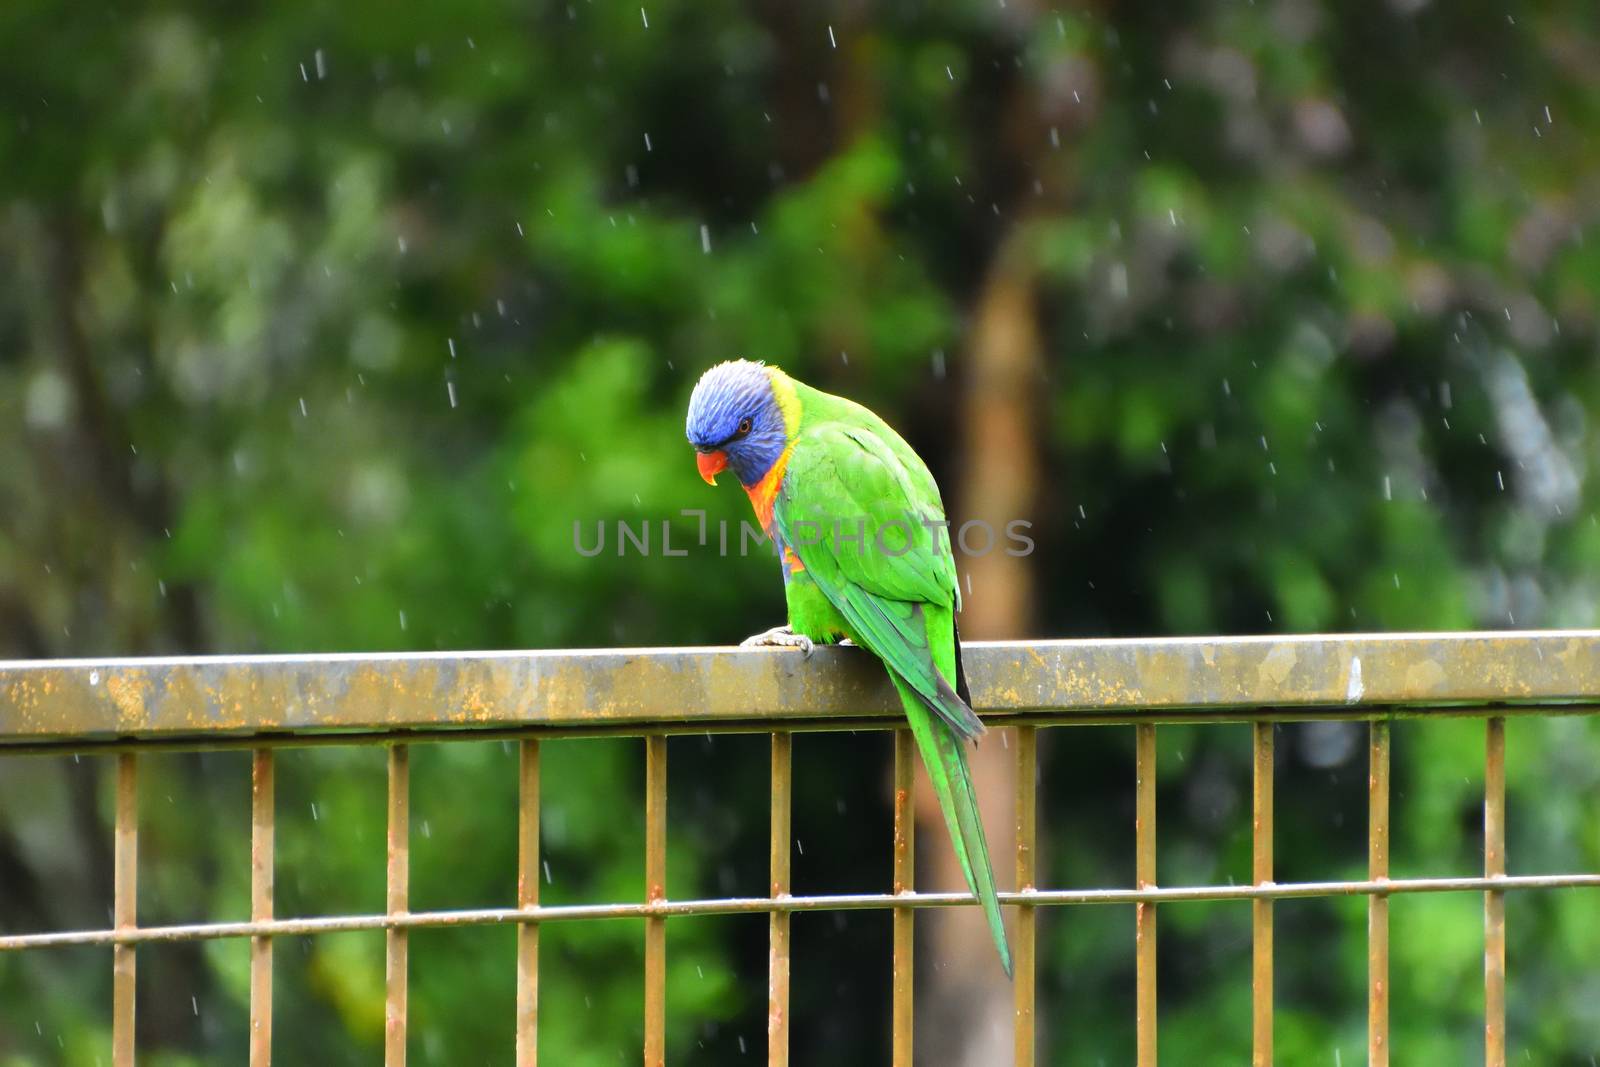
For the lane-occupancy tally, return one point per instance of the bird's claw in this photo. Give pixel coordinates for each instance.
(779, 637)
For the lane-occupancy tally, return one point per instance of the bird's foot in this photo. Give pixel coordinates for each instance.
(779, 637)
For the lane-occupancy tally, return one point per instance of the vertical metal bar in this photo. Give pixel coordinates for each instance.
(1144, 832)
(125, 892)
(1494, 901)
(528, 897)
(905, 880)
(655, 926)
(396, 945)
(1023, 987)
(262, 822)
(1261, 738)
(778, 921)
(1378, 903)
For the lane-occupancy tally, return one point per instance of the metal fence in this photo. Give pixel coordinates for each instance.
(125, 707)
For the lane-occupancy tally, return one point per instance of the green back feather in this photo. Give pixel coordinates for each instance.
(850, 481)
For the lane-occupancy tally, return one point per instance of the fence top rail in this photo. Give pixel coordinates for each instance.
(155, 698)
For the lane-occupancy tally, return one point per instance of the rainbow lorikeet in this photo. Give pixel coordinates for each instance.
(858, 522)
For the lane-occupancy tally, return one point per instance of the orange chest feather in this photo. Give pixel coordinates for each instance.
(764, 494)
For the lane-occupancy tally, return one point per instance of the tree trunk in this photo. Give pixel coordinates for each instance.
(965, 1004)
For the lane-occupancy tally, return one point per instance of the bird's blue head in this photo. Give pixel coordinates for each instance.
(736, 421)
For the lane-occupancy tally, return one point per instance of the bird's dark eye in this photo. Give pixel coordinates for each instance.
(744, 426)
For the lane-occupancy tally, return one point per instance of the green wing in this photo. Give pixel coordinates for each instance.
(843, 486)
(861, 520)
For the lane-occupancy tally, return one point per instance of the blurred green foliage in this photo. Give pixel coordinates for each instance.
(321, 326)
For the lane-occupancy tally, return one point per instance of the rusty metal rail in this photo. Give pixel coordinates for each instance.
(125, 707)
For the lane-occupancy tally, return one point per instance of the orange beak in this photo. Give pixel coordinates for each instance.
(711, 464)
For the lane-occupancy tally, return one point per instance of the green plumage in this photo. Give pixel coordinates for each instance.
(859, 509)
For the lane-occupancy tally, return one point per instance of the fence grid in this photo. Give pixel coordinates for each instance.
(125, 707)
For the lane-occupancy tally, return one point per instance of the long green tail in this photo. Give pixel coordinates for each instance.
(945, 757)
